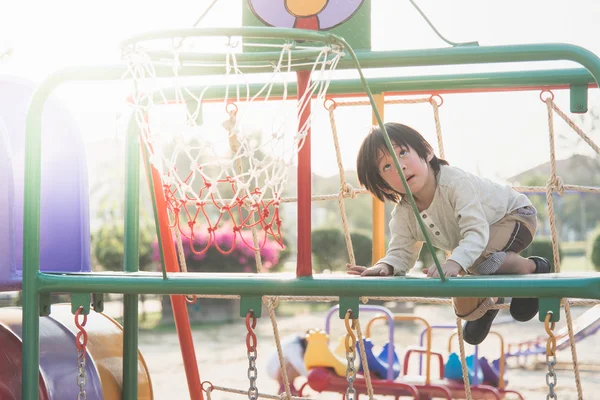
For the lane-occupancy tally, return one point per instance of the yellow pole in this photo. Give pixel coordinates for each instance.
(378, 209)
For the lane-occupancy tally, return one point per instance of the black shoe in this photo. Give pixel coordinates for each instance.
(525, 309)
(475, 332)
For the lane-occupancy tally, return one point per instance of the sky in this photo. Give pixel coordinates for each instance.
(495, 135)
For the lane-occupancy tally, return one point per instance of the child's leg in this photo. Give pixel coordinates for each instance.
(514, 264)
(510, 262)
(508, 236)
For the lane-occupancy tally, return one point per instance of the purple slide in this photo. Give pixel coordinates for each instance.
(64, 221)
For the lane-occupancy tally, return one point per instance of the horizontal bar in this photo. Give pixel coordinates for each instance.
(451, 83)
(548, 285)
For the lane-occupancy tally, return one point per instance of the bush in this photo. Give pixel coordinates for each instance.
(226, 252)
(542, 248)
(327, 245)
(363, 248)
(331, 252)
(109, 242)
(595, 252)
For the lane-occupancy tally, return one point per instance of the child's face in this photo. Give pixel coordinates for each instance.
(416, 170)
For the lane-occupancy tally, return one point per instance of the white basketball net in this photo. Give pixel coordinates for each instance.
(224, 174)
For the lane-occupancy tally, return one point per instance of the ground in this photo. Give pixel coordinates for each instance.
(221, 353)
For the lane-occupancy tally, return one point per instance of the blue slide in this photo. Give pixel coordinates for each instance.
(378, 364)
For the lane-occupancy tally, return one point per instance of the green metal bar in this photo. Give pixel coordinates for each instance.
(547, 285)
(31, 242)
(479, 82)
(478, 55)
(131, 261)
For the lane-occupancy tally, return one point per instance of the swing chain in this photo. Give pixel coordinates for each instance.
(550, 357)
(81, 343)
(252, 355)
(350, 355)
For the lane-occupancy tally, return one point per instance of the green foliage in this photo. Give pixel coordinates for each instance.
(326, 245)
(108, 244)
(595, 250)
(330, 251)
(363, 248)
(542, 248)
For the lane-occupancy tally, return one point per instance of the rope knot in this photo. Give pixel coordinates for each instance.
(271, 301)
(348, 190)
(556, 184)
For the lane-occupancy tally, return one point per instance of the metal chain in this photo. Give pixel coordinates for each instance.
(350, 355)
(81, 343)
(550, 357)
(252, 355)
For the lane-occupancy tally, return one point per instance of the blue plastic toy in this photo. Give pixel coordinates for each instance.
(378, 364)
(453, 370)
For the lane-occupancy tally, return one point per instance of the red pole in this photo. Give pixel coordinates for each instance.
(180, 313)
(304, 266)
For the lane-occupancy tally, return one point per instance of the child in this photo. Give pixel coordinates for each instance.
(483, 224)
(293, 349)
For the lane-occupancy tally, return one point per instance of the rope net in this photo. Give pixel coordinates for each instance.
(225, 175)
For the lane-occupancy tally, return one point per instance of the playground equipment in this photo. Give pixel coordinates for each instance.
(59, 372)
(327, 372)
(256, 210)
(584, 326)
(318, 353)
(64, 187)
(65, 206)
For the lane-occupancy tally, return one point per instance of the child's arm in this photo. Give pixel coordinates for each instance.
(401, 255)
(474, 227)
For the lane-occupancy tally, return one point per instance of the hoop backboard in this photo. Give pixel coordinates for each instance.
(350, 19)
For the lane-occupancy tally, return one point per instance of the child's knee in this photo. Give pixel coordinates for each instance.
(471, 308)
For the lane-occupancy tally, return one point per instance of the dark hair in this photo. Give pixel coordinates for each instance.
(366, 162)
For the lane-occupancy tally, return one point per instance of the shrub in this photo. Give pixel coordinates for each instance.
(595, 252)
(331, 252)
(109, 242)
(224, 251)
(327, 246)
(542, 248)
(363, 248)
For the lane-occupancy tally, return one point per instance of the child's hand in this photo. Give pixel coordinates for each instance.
(450, 268)
(380, 269)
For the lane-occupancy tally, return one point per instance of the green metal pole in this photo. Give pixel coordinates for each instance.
(450, 83)
(564, 284)
(31, 241)
(131, 261)
(31, 217)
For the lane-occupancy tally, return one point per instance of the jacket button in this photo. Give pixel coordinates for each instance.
(424, 215)
(431, 225)
(437, 234)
